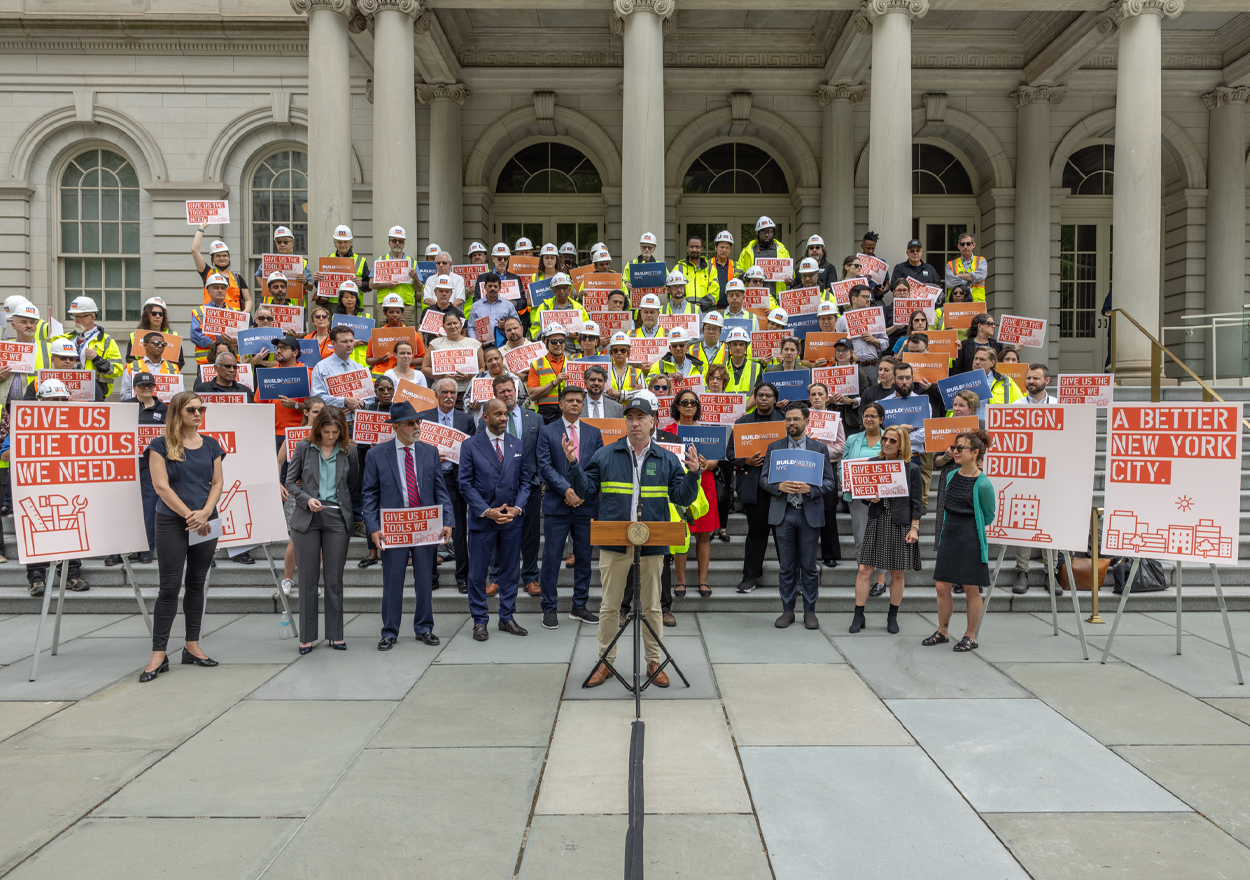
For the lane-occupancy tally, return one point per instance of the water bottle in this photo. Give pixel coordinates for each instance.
(284, 626)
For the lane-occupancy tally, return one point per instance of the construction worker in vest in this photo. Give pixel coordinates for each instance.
(675, 284)
(343, 248)
(524, 247)
(152, 361)
(284, 243)
(623, 379)
(545, 382)
(237, 294)
(736, 293)
(646, 247)
(216, 286)
(649, 314)
(968, 269)
(501, 256)
(702, 287)
(764, 246)
(43, 329)
(809, 275)
(568, 256)
(395, 239)
(589, 339)
(23, 321)
(678, 361)
(754, 278)
(561, 299)
(743, 372)
(97, 350)
(477, 254)
(601, 261)
(1003, 389)
(276, 291)
(710, 349)
(828, 318)
(61, 356)
(778, 319)
(722, 265)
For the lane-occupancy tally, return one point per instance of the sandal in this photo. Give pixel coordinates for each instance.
(936, 639)
(965, 644)
(705, 590)
(723, 534)
(679, 590)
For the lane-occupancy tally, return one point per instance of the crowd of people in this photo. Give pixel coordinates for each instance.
(534, 468)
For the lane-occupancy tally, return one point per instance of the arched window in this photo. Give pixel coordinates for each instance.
(100, 233)
(280, 198)
(935, 172)
(735, 169)
(1090, 171)
(549, 167)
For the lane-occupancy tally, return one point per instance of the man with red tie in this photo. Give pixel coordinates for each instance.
(402, 473)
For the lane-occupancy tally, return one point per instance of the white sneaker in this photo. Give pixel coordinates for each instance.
(287, 583)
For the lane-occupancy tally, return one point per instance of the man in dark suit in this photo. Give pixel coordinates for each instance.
(404, 473)
(755, 507)
(448, 415)
(525, 424)
(495, 485)
(563, 509)
(797, 514)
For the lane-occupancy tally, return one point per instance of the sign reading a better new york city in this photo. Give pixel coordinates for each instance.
(1173, 481)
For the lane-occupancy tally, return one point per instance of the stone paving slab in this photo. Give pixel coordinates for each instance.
(821, 807)
(262, 758)
(805, 705)
(906, 669)
(362, 672)
(477, 705)
(540, 646)
(686, 650)
(1021, 756)
(193, 849)
(1133, 623)
(1119, 705)
(373, 825)
(160, 714)
(369, 626)
(1022, 638)
(726, 847)
(253, 638)
(133, 626)
(1127, 846)
(1203, 670)
(1210, 626)
(752, 638)
(1214, 780)
(17, 634)
(57, 787)
(690, 764)
(81, 667)
(1236, 708)
(910, 623)
(17, 716)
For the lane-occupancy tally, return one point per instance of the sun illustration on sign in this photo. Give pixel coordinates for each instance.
(1184, 503)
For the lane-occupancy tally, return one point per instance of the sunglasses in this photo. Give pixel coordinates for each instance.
(663, 388)
(264, 318)
(156, 344)
(194, 410)
(555, 342)
(689, 403)
(155, 314)
(959, 447)
(889, 440)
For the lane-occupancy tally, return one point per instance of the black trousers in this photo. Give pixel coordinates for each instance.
(459, 535)
(724, 492)
(830, 542)
(666, 588)
(38, 571)
(173, 555)
(757, 539)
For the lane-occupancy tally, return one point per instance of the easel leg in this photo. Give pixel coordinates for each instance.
(1051, 587)
(60, 606)
(281, 595)
(1178, 606)
(43, 619)
(203, 614)
(639, 614)
(1228, 627)
(1128, 588)
(989, 594)
(134, 585)
(1076, 605)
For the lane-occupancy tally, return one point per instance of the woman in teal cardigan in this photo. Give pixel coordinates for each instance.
(963, 552)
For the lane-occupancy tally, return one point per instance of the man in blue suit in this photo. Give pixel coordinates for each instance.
(446, 414)
(404, 473)
(495, 485)
(797, 513)
(563, 509)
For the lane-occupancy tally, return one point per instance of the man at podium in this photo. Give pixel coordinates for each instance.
(630, 475)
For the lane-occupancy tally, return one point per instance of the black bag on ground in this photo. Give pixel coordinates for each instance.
(1150, 576)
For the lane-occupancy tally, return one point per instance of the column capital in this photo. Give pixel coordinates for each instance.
(411, 8)
(1038, 95)
(1222, 96)
(343, 7)
(840, 92)
(662, 8)
(1164, 8)
(428, 93)
(874, 9)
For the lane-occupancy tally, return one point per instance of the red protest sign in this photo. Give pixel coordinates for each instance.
(1014, 330)
(207, 212)
(223, 322)
(419, 396)
(906, 306)
(293, 436)
(870, 479)
(447, 440)
(223, 397)
(839, 380)
(334, 271)
(289, 319)
(647, 351)
(610, 322)
(433, 323)
(354, 383)
(412, 526)
(767, 343)
(384, 339)
(874, 268)
(18, 356)
(800, 300)
(757, 298)
(167, 386)
(722, 409)
(446, 361)
(861, 321)
(520, 358)
(79, 383)
(776, 268)
(689, 323)
(842, 290)
(824, 424)
(470, 273)
(392, 271)
(290, 265)
(1097, 389)
(939, 434)
(610, 430)
(958, 316)
(371, 428)
(569, 319)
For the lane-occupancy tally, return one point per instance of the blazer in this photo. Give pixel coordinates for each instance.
(460, 420)
(384, 487)
(612, 409)
(749, 477)
(903, 514)
(486, 482)
(531, 425)
(303, 479)
(813, 504)
(554, 466)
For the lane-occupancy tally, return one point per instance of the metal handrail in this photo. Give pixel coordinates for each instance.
(1215, 323)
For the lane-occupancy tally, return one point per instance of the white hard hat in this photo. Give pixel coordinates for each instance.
(675, 278)
(620, 337)
(713, 318)
(274, 276)
(12, 302)
(569, 248)
(500, 250)
(397, 232)
(561, 280)
(477, 248)
(647, 238)
(155, 301)
(218, 247)
(590, 328)
(282, 232)
(598, 246)
(524, 244)
(432, 250)
(815, 240)
(443, 283)
(735, 284)
(342, 233)
(755, 273)
(725, 235)
(678, 335)
(50, 389)
(738, 334)
(601, 256)
(827, 307)
(808, 265)
(348, 287)
(779, 316)
(392, 301)
(216, 278)
(549, 248)
(23, 309)
(83, 305)
(764, 223)
(553, 330)
(62, 348)
(649, 301)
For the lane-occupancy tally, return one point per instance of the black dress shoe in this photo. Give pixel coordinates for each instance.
(338, 646)
(810, 621)
(876, 590)
(428, 637)
(189, 659)
(115, 559)
(149, 674)
(386, 643)
(366, 562)
(830, 563)
(244, 558)
(786, 618)
(462, 589)
(306, 649)
(480, 633)
(511, 626)
(145, 557)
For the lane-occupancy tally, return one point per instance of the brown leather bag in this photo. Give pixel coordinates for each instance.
(1080, 571)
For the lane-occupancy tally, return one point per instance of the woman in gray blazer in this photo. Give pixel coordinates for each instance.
(324, 470)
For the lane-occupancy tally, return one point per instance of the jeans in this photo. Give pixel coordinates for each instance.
(173, 555)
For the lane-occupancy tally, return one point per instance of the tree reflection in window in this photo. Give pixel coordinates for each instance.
(1090, 171)
(935, 172)
(549, 167)
(735, 169)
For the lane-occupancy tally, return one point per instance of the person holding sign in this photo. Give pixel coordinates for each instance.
(155, 316)
(216, 286)
(343, 340)
(676, 361)
(396, 238)
(237, 297)
(227, 379)
(688, 410)
(835, 443)
(63, 357)
(764, 247)
(963, 553)
(453, 326)
(890, 543)
(649, 314)
(735, 309)
(275, 290)
(447, 415)
(491, 307)
(97, 351)
(980, 335)
(867, 346)
(710, 350)
(646, 254)
(343, 240)
(915, 267)
(284, 243)
(495, 368)
(547, 376)
(677, 303)
(151, 412)
(186, 473)
(748, 469)
(444, 276)
(623, 379)
(560, 300)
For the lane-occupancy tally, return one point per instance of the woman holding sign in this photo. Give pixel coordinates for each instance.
(453, 325)
(963, 552)
(687, 410)
(186, 473)
(321, 331)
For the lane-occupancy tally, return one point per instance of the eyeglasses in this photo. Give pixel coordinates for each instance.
(555, 342)
(959, 447)
(194, 410)
(321, 317)
(688, 403)
(155, 314)
(888, 440)
(264, 318)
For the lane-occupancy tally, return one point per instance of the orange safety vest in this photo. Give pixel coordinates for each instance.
(234, 296)
(546, 372)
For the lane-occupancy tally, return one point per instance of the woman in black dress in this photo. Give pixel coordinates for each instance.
(963, 551)
(966, 403)
(892, 535)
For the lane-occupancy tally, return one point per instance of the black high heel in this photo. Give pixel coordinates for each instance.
(149, 674)
(189, 659)
(307, 649)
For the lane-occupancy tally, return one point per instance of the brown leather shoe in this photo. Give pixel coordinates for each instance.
(568, 563)
(534, 588)
(669, 619)
(492, 589)
(624, 617)
(661, 678)
(598, 677)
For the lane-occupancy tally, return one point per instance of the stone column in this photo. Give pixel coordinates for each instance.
(837, 171)
(394, 119)
(1138, 178)
(889, 160)
(329, 119)
(446, 165)
(642, 24)
(1226, 211)
(1032, 237)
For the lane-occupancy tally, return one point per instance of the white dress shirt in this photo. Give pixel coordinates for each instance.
(401, 460)
(592, 405)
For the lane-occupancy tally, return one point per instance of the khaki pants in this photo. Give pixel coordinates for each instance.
(925, 460)
(613, 576)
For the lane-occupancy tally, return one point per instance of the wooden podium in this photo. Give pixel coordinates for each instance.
(615, 534)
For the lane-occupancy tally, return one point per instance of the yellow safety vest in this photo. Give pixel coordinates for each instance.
(631, 381)
(546, 373)
(745, 383)
(957, 266)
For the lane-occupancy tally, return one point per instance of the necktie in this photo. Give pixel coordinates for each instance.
(512, 424)
(594, 409)
(573, 437)
(499, 449)
(410, 477)
(796, 500)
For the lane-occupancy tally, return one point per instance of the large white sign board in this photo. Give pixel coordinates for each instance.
(1173, 481)
(1041, 462)
(251, 504)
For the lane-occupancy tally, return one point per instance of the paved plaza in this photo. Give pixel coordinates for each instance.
(793, 754)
